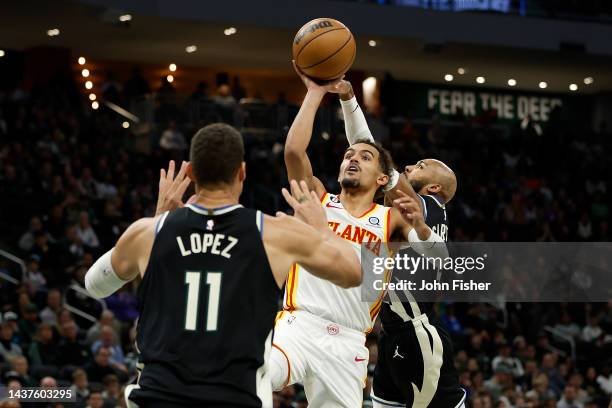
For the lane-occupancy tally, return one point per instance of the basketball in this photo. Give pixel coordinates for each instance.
(324, 49)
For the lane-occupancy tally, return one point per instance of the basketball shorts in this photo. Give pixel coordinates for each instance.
(416, 368)
(329, 360)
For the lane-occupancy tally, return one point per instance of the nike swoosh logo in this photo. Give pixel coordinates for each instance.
(359, 360)
(333, 206)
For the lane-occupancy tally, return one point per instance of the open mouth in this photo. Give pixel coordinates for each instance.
(352, 168)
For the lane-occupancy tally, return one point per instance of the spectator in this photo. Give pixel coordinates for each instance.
(101, 366)
(137, 86)
(592, 331)
(80, 386)
(540, 392)
(34, 278)
(569, 399)
(8, 349)
(54, 305)
(95, 400)
(112, 390)
(567, 326)
(605, 381)
(107, 318)
(172, 139)
(107, 340)
(502, 378)
(28, 324)
(86, 233)
(504, 357)
(72, 351)
(44, 349)
(19, 365)
(576, 381)
(26, 242)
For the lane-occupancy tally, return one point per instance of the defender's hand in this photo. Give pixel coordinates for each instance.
(306, 205)
(412, 213)
(171, 188)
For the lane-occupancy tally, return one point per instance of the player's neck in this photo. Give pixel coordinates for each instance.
(215, 198)
(356, 201)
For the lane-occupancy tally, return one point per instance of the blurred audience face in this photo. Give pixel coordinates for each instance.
(107, 336)
(6, 331)
(79, 378)
(95, 400)
(48, 382)
(69, 330)
(54, 299)
(20, 364)
(103, 356)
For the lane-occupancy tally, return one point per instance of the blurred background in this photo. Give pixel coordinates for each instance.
(96, 96)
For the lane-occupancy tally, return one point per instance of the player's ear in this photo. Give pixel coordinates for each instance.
(382, 180)
(189, 172)
(242, 172)
(433, 188)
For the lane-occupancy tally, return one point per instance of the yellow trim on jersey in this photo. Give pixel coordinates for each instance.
(324, 197)
(291, 289)
(279, 316)
(370, 211)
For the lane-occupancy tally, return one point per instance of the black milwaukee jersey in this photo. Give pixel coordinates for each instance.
(415, 358)
(207, 306)
(435, 217)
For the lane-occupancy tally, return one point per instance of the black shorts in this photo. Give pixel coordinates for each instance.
(416, 366)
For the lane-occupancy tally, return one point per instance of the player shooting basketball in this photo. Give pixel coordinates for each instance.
(319, 337)
(412, 371)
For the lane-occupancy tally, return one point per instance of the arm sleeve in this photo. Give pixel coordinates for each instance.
(101, 279)
(432, 247)
(355, 124)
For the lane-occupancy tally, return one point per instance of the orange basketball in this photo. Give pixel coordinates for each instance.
(324, 49)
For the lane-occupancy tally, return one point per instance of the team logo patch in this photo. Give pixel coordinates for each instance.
(374, 221)
(334, 199)
(333, 329)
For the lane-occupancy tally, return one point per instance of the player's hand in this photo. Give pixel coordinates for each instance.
(321, 89)
(411, 212)
(306, 205)
(171, 188)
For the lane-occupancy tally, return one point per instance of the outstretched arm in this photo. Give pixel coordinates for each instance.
(300, 133)
(126, 260)
(355, 124)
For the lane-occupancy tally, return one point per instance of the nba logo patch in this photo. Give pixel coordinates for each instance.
(209, 225)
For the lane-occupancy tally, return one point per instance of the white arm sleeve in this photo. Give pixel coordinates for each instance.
(101, 279)
(432, 247)
(356, 128)
(355, 124)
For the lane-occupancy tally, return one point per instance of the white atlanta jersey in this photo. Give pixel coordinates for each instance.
(306, 292)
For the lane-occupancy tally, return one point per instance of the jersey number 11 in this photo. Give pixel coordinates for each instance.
(192, 280)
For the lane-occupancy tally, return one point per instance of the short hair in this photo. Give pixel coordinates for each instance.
(384, 159)
(216, 154)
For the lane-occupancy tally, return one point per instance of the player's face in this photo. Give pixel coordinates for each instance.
(419, 175)
(360, 167)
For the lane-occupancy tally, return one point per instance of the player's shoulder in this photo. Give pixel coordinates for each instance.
(432, 200)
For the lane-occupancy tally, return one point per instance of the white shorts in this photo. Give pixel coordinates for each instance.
(330, 360)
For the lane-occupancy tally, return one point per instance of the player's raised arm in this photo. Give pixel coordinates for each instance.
(300, 133)
(408, 222)
(119, 265)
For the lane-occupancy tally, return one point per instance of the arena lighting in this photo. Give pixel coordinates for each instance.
(461, 71)
(543, 85)
(172, 67)
(82, 60)
(53, 32)
(85, 73)
(2, 53)
(230, 31)
(125, 124)
(372, 43)
(170, 78)
(88, 85)
(125, 17)
(95, 105)
(92, 96)
(448, 77)
(191, 48)
(588, 80)
(573, 87)
(512, 82)
(480, 79)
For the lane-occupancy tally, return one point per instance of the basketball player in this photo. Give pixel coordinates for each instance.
(415, 356)
(211, 277)
(319, 338)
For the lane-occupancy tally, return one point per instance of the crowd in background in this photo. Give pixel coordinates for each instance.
(72, 179)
